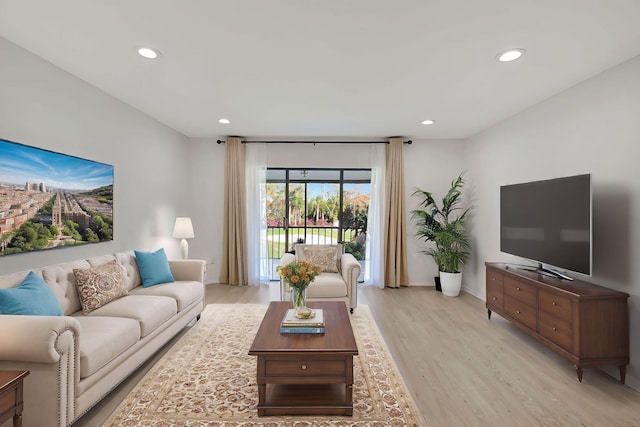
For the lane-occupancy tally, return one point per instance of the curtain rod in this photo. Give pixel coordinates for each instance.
(316, 142)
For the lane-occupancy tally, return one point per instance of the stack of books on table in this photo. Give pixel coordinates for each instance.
(292, 325)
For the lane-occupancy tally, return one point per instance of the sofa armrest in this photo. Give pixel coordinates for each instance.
(187, 269)
(285, 293)
(47, 347)
(350, 273)
(40, 339)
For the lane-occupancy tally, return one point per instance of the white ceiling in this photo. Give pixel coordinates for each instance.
(350, 69)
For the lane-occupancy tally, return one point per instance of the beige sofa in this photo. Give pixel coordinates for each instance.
(77, 358)
(338, 280)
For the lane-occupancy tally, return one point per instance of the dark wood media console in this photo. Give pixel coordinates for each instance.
(585, 323)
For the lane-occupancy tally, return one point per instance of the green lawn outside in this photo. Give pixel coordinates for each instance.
(276, 245)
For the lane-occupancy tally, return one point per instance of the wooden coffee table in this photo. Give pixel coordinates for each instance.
(305, 374)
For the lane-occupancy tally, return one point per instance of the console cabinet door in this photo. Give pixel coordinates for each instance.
(555, 319)
(520, 301)
(555, 305)
(494, 290)
(520, 312)
(521, 291)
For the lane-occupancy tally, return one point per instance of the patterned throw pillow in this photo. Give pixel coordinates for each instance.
(324, 256)
(99, 285)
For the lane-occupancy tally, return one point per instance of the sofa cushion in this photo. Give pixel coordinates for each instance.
(32, 297)
(149, 310)
(100, 285)
(327, 285)
(130, 272)
(326, 256)
(154, 267)
(100, 260)
(62, 282)
(103, 339)
(185, 293)
(14, 279)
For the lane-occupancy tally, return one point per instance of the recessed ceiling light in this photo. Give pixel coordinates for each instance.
(148, 53)
(510, 55)
(428, 122)
(224, 121)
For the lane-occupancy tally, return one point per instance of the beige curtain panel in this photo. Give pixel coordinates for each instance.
(234, 269)
(396, 272)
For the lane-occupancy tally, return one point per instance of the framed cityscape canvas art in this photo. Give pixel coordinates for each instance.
(52, 200)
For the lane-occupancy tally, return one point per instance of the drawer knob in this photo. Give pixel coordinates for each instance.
(304, 366)
(554, 303)
(494, 298)
(555, 329)
(518, 311)
(518, 288)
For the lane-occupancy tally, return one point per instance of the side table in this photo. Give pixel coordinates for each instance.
(11, 403)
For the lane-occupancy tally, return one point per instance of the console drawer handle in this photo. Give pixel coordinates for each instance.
(304, 366)
(494, 298)
(518, 288)
(554, 303)
(555, 329)
(518, 311)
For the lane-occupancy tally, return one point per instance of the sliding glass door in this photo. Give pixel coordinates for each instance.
(316, 206)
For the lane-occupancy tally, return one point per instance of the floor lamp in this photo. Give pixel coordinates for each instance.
(183, 229)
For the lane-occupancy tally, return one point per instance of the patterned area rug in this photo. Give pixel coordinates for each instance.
(207, 379)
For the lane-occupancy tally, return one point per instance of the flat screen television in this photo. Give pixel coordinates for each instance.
(549, 222)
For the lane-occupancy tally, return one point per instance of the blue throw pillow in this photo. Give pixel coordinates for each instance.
(153, 267)
(32, 297)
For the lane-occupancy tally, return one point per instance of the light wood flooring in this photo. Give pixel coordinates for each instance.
(461, 368)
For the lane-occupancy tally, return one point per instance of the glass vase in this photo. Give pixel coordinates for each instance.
(299, 299)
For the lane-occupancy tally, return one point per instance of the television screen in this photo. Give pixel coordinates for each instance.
(548, 221)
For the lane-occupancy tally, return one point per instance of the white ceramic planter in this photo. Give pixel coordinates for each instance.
(451, 283)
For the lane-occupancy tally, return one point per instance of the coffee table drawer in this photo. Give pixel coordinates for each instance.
(297, 368)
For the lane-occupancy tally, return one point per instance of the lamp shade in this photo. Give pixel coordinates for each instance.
(183, 228)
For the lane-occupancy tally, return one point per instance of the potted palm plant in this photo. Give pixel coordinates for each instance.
(445, 227)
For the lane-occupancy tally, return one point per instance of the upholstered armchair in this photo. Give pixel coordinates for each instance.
(338, 280)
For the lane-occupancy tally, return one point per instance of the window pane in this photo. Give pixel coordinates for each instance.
(357, 175)
(355, 208)
(314, 175)
(276, 175)
(275, 204)
(323, 204)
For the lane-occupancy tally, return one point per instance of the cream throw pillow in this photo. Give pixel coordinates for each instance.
(99, 285)
(324, 256)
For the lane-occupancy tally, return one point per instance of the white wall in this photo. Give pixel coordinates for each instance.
(319, 155)
(206, 170)
(45, 107)
(590, 128)
(429, 165)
